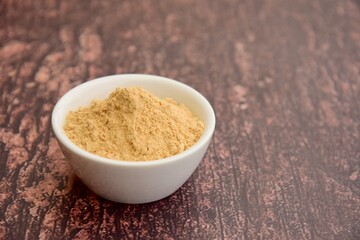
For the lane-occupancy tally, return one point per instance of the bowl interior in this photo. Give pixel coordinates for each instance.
(100, 88)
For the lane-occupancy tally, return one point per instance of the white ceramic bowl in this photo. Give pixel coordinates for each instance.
(125, 181)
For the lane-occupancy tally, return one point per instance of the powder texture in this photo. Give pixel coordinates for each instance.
(134, 125)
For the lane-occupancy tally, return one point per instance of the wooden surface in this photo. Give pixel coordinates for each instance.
(282, 76)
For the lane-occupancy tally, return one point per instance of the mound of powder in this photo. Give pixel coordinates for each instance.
(134, 125)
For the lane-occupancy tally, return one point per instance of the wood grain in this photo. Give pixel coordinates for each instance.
(282, 76)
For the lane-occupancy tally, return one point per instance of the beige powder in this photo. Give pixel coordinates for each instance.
(134, 125)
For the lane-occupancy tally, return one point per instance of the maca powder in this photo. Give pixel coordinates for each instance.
(134, 125)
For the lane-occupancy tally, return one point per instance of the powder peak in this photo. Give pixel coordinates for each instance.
(132, 124)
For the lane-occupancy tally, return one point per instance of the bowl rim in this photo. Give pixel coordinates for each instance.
(63, 139)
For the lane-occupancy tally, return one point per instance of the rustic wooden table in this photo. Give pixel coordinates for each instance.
(282, 76)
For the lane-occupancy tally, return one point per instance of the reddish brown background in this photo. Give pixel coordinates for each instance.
(283, 77)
